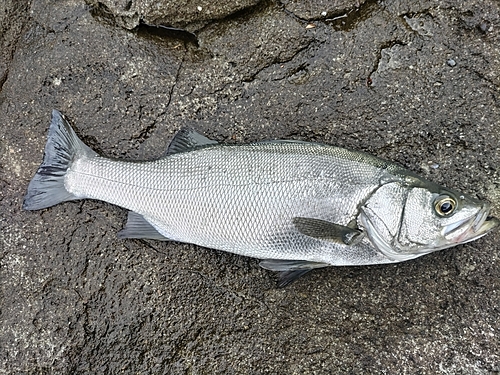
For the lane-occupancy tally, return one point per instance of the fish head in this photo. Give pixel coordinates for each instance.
(404, 221)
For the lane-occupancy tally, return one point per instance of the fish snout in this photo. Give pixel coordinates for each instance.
(471, 229)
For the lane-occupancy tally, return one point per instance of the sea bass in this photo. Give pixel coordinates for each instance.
(294, 205)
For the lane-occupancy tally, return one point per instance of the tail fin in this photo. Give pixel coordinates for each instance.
(63, 147)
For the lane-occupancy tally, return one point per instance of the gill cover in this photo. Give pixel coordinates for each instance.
(421, 224)
(381, 216)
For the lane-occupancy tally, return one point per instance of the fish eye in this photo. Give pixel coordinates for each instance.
(445, 205)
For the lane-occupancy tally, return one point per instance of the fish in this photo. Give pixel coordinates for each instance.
(296, 206)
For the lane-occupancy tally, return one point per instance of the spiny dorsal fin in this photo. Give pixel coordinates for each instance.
(188, 139)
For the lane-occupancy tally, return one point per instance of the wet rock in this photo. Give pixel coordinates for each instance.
(322, 9)
(12, 18)
(182, 14)
(75, 299)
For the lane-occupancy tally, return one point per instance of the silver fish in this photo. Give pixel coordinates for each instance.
(295, 205)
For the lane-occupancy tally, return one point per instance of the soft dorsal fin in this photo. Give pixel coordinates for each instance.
(188, 139)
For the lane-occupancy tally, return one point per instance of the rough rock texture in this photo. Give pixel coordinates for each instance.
(184, 13)
(411, 81)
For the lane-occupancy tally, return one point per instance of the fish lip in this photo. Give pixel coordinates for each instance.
(488, 224)
(472, 228)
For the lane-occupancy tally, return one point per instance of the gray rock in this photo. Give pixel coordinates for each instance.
(189, 14)
(75, 299)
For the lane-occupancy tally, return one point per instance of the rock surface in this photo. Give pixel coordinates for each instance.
(412, 81)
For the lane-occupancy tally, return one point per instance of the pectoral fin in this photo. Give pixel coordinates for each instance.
(138, 227)
(290, 270)
(326, 231)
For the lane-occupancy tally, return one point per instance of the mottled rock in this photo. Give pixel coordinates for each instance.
(183, 14)
(75, 299)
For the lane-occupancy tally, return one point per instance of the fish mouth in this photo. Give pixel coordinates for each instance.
(472, 228)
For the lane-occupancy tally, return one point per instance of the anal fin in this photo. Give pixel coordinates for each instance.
(138, 227)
